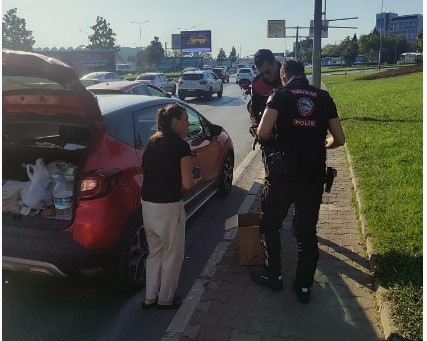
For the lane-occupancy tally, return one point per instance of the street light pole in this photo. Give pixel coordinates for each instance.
(140, 30)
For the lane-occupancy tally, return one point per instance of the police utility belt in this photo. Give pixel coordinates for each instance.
(277, 166)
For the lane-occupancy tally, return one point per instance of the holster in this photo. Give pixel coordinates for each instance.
(276, 165)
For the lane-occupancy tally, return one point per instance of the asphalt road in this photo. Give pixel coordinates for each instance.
(46, 308)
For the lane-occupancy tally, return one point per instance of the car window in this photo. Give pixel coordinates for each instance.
(145, 125)
(109, 76)
(244, 71)
(196, 128)
(139, 90)
(146, 77)
(125, 131)
(192, 77)
(20, 82)
(155, 92)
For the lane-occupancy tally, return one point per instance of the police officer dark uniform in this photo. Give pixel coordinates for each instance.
(302, 115)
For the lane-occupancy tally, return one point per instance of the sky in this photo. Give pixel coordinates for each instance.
(242, 24)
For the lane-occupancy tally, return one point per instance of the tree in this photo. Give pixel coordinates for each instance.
(331, 50)
(15, 34)
(368, 42)
(221, 57)
(306, 50)
(392, 47)
(155, 52)
(207, 58)
(349, 49)
(103, 36)
(233, 55)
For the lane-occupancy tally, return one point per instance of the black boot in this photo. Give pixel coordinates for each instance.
(303, 294)
(266, 278)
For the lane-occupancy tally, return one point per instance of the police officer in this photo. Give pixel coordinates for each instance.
(302, 115)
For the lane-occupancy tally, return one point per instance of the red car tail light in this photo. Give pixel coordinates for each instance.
(203, 82)
(99, 184)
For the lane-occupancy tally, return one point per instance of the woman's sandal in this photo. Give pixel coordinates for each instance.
(146, 306)
(176, 303)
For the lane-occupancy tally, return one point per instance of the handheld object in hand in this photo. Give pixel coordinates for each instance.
(196, 172)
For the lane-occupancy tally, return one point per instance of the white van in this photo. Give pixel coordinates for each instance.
(122, 69)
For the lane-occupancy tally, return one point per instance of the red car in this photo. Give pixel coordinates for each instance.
(46, 110)
(222, 73)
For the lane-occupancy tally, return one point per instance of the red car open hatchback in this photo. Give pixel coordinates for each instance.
(49, 114)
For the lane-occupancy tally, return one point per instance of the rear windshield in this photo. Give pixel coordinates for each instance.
(217, 70)
(146, 77)
(19, 82)
(92, 76)
(192, 77)
(244, 71)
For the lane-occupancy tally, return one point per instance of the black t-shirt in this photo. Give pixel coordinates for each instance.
(161, 164)
(303, 118)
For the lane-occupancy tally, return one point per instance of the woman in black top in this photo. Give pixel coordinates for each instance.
(167, 171)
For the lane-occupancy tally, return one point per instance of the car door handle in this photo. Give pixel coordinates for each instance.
(194, 154)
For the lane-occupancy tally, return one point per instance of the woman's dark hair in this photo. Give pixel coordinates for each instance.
(164, 119)
(263, 55)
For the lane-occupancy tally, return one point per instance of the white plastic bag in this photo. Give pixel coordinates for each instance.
(58, 167)
(39, 195)
(11, 195)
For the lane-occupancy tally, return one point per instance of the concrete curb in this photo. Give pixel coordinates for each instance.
(176, 328)
(389, 329)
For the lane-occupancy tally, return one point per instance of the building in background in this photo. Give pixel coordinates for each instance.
(404, 25)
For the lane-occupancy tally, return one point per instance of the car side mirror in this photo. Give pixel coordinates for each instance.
(215, 129)
(168, 95)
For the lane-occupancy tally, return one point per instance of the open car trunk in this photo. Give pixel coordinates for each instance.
(47, 114)
(62, 144)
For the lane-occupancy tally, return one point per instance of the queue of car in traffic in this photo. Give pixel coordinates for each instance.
(193, 82)
(90, 134)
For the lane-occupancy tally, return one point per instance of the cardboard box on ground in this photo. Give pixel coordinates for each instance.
(251, 250)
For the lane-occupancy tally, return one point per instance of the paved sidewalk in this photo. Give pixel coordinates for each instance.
(224, 304)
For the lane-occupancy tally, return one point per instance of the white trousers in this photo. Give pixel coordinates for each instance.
(164, 226)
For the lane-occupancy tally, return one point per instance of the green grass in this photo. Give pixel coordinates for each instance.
(382, 120)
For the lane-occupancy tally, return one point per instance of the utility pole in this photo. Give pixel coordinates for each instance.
(317, 42)
(317, 38)
(297, 36)
(140, 30)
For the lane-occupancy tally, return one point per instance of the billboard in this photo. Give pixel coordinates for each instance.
(176, 42)
(196, 41)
